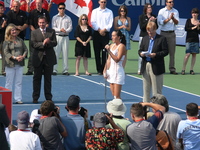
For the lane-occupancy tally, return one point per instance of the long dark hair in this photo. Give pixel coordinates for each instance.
(122, 36)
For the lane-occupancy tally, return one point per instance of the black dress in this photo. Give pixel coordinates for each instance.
(81, 50)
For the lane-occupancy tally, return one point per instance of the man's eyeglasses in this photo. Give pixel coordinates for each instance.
(171, 2)
(61, 8)
(103, 2)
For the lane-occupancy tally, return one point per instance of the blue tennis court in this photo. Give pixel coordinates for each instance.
(94, 94)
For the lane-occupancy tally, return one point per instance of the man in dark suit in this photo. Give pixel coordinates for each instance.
(4, 122)
(43, 40)
(153, 49)
(33, 24)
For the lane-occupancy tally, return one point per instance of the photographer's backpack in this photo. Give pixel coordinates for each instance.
(163, 140)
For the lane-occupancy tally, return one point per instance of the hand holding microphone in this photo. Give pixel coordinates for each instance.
(107, 47)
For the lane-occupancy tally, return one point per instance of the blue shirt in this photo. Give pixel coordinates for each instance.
(75, 127)
(189, 131)
(151, 42)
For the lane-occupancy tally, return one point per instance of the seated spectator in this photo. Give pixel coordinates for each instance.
(188, 131)
(170, 120)
(75, 125)
(117, 108)
(142, 133)
(101, 138)
(24, 138)
(50, 127)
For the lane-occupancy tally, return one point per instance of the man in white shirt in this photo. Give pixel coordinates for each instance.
(168, 18)
(102, 21)
(24, 138)
(62, 24)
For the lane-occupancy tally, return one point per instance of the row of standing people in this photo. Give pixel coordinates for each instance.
(124, 23)
(121, 22)
(109, 131)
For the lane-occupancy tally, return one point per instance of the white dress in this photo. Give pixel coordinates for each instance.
(116, 71)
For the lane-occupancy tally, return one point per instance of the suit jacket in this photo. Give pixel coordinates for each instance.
(9, 51)
(160, 47)
(4, 122)
(37, 39)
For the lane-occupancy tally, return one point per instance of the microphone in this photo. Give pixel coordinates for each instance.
(107, 44)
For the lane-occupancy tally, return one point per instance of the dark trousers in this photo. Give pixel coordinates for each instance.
(47, 70)
(3, 57)
(31, 49)
(99, 43)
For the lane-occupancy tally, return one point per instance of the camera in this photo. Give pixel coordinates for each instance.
(82, 111)
(145, 112)
(107, 121)
(56, 109)
(35, 126)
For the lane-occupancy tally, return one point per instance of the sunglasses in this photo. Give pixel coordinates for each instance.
(122, 11)
(171, 2)
(83, 19)
(61, 8)
(103, 2)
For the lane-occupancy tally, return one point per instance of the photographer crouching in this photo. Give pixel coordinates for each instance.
(51, 127)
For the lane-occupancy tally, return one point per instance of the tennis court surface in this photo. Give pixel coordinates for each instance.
(94, 93)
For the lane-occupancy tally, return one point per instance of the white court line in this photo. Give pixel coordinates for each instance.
(107, 86)
(125, 91)
(168, 87)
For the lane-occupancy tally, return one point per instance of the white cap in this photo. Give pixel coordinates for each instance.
(34, 115)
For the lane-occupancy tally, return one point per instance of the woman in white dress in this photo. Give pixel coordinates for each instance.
(113, 70)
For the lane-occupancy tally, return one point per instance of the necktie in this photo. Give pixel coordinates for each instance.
(43, 32)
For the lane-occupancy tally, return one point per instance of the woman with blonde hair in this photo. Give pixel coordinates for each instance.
(15, 52)
(83, 34)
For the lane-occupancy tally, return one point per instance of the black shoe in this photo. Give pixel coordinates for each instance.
(173, 72)
(54, 73)
(35, 101)
(66, 73)
(192, 72)
(29, 73)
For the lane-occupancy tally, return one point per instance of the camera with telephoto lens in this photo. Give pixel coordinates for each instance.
(35, 126)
